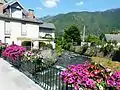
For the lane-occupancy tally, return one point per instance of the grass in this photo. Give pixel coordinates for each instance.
(114, 65)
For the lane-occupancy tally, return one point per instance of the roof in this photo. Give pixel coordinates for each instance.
(4, 17)
(11, 2)
(48, 25)
(113, 37)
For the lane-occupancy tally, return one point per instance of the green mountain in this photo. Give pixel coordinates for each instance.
(95, 22)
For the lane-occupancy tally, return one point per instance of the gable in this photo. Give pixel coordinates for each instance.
(15, 4)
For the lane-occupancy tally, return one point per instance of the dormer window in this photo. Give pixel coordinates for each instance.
(16, 12)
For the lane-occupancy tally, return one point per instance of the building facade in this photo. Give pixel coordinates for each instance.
(18, 24)
(47, 33)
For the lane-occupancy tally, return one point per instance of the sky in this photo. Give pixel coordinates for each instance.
(53, 7)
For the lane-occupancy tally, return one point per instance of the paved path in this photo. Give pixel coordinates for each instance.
(12, 79)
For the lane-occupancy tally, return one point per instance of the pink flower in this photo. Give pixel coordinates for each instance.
(14, 51)
(108, 70)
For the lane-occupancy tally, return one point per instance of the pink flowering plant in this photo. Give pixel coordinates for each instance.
(88, 75)
(14, 51)
(114, 80)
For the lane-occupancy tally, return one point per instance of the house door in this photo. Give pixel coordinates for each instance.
(8, 40)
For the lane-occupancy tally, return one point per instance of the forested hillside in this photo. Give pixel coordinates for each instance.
(95, 22)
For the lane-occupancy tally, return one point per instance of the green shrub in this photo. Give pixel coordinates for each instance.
(58, 50)
(90, 51)
(107, 49)
(26, 43)
(67, 46)
(81, 50)
(85, 47)
(49, 46)
(42, 44)
(72, 48)
(78, 49)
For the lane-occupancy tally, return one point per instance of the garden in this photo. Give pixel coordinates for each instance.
(87, 76)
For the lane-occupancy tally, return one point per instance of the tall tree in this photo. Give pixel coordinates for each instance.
(72, 35)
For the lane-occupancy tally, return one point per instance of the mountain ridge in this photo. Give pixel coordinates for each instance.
(96, 22)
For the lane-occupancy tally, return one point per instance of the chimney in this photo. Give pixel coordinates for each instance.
(31, 13)
(1, 6)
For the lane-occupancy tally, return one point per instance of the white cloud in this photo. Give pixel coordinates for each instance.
(51, 3)
(39, 8)
(80, 3)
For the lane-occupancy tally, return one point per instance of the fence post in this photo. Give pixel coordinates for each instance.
(56, 78)
(35, 73)
(66, 86)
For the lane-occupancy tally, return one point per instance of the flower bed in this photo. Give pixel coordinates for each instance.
(91, 76)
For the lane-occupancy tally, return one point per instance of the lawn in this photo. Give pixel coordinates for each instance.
(114, 65)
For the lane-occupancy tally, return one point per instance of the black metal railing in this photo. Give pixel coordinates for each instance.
(48, 78)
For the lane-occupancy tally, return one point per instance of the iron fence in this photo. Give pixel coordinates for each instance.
(48, 78)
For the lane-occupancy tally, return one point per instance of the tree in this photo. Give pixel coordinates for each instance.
(107, 49)
(72, 35)
(93, 39)
(102, 37)
(114, 42)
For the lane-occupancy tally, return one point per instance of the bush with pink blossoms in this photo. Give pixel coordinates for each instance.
(14, 51)
(30, 56)
(114, 80)
(88, 75)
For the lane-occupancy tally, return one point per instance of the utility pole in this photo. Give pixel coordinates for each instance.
(84, 33)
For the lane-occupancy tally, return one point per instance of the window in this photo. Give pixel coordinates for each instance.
(23, 29)
(7, 28)
(8, 40)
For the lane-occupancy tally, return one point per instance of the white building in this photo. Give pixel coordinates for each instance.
(18, 24)
(113, 37)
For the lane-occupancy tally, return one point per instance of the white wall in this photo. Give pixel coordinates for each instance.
(53, 44)
(32, 31)
(15, 31)
(16, 13)
(16, 27)
(2, 30)
(16, 10)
